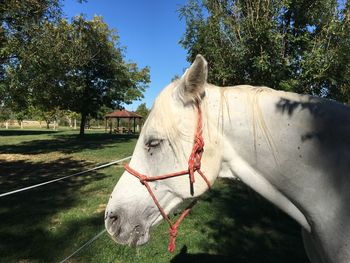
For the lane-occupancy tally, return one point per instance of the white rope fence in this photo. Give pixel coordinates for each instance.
(103, 231)
(64, 177)
(84, 245)
(59, 179)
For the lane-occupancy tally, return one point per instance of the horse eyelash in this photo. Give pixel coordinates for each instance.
(152, 143)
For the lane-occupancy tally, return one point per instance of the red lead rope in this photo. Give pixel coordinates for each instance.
(194, 165)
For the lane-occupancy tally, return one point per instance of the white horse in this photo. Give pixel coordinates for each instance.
(292, 149)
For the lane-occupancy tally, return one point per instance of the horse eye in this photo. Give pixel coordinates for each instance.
(153, 142)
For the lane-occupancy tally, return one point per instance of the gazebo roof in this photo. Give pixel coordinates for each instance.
(123, 114)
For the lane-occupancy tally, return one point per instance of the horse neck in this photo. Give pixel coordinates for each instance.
(294, 151)
(250, 146)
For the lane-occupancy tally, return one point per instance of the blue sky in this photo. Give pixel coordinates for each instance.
(150, 30)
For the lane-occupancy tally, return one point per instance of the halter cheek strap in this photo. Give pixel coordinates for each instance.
(194, 165)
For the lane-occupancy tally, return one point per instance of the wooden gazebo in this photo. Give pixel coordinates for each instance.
(122, 114)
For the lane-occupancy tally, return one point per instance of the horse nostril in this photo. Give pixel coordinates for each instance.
(112, 223)
(114, 219)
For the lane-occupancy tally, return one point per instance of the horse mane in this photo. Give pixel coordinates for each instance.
(165, 119)
(258, 121)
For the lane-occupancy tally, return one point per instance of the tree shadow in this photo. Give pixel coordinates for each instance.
(246, 228)
(329, 121)
(41, 245)
(28, 230)
(184, 257)
(22, 173)
(323, 126)
(26, 132)
(313, 106)
(67, 143)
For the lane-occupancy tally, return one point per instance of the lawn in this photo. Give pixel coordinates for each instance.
(230, 223)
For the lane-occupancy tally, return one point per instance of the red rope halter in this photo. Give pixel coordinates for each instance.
(194, 165)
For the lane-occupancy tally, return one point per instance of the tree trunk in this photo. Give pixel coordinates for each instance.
(21, 122)
(54, 125)
(82, 124)
(75, 123)
(47, 124)
(7, 125)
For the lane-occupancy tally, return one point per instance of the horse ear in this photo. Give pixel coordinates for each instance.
(193, 81)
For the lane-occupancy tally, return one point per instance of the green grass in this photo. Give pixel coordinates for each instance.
(229, 224)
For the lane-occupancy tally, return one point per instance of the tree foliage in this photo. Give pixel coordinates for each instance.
(51, 63)
(20, 23)
(294, 45)
(143, 111)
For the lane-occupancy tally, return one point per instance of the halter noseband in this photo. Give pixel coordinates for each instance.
(194, 165)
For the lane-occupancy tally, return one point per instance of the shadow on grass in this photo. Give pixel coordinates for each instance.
(66, 143)
(26, 132)
(22, 173)
(184, 257)
(246, 228)
(28, 227)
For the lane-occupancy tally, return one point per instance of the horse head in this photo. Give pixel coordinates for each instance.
(164, 146)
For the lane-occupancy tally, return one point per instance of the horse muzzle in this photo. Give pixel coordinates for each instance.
(125, 232)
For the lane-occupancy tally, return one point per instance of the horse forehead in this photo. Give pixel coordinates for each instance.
(165, 96)
(165, 106)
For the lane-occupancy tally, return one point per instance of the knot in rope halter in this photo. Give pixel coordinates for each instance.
(194, 165)
(172, 236)
(142, 178)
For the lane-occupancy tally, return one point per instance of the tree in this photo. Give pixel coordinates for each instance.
(176, 77)
(291, 45)
(143, 110)
(20, 116)
(20, 23)
(71, 118)
(77, 66)
(5, 115)
(51, 64)
(99, 75)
